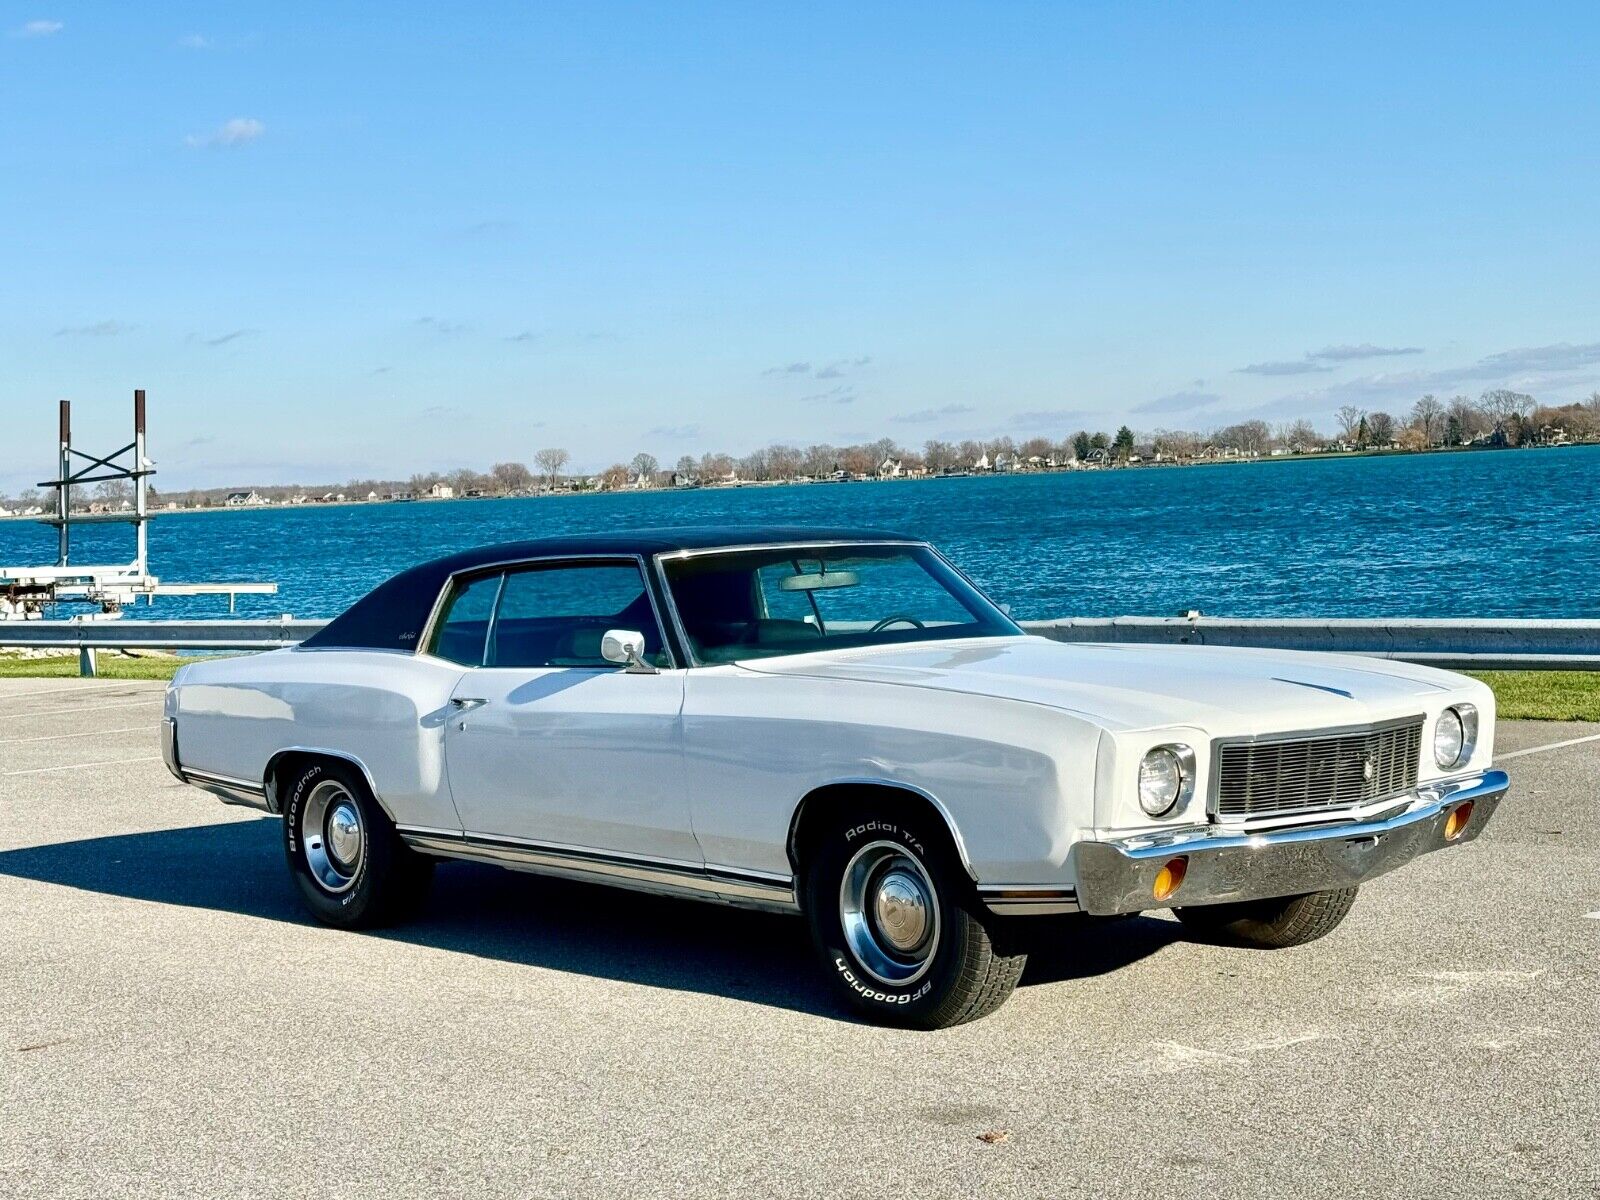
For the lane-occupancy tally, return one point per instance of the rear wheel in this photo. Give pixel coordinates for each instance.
(350, 866)
(899, 927)
(1271, 924)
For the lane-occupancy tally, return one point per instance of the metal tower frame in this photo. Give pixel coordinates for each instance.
(26, 591)
(139, 470)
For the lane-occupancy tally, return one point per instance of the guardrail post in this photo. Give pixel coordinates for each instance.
(87, 667)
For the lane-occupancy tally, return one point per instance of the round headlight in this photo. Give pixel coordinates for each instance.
(1449, 738)
(1160, 781)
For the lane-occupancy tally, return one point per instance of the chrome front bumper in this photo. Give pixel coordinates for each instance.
(1223, 867)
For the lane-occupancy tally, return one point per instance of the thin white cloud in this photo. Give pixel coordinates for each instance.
(833, 370)
(37, 29)
(98, 329)
(1178, 402)
(222, 339)
(1293, 366)
(240, 131)
(1537, 369)
(1562, 356)
(447, 328)
(923, 415)
(195, 41)
(674, 433)
(1051, 416)
(842, 394)
(1364, 350)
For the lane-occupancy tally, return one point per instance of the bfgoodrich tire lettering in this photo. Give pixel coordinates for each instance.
(898, 925)
(348, 863)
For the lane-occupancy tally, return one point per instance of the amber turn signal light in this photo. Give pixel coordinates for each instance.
(1170, 877)
(1456, 823)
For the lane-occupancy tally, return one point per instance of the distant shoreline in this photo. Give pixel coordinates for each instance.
(1315, 456)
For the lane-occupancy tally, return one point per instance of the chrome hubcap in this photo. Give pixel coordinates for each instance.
(344, 835)
(901, 911)
(331, 834)
(889, 910)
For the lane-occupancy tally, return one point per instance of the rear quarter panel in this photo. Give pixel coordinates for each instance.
(385, 710)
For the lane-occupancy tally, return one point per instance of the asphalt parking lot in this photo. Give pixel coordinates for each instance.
(171, 1024)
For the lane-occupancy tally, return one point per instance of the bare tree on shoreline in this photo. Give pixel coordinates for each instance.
(1349, 418)
(1426, 415)
(551, 461)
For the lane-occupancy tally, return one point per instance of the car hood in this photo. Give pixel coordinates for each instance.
(1130, 686)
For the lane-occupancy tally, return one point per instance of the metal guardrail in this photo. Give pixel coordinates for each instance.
(1486, 644)
(269, 634)
(1567, 645)
(87, 637)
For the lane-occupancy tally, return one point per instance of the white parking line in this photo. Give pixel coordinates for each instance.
(110, 762)
(56, 737)
(56, 712)
(1577, 741)
(110, 685)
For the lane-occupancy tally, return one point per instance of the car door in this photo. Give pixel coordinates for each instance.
(546, 742)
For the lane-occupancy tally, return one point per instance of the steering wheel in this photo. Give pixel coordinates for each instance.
(888, 621)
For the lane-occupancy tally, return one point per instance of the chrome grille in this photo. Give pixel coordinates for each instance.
(1316, 771)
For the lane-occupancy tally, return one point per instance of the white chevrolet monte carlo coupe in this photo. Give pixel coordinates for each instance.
(834, 722)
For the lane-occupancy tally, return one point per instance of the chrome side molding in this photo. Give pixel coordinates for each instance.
(230, 790)
(666, 877)
(1029, 902)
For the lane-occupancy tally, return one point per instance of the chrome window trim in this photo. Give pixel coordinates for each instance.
(506, 567)
(693, 660)
(746, 547)
(974, 585)
(494, 619)
(682, 634)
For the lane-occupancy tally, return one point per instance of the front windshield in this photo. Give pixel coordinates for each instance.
(760, 603)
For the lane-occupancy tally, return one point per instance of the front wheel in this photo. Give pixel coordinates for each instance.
(1271, 924)
(350, 866)
(898, 926)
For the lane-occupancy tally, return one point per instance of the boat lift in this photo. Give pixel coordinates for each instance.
(26, 592)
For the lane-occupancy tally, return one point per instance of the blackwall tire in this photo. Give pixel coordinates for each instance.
(1271, 924)
(898, 925)
(348, 863)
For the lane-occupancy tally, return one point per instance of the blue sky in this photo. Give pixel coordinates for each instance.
(344, 240)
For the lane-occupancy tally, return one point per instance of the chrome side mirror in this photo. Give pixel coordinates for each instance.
(625, 647)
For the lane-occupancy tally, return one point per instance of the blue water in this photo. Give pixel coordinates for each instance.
(1514, 533)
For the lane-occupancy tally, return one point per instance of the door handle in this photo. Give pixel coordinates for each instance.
(467, 702)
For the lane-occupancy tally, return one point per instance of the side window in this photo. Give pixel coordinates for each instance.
(463, 626)
(555, 616)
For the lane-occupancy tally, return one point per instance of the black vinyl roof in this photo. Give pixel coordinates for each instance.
(392, 615)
